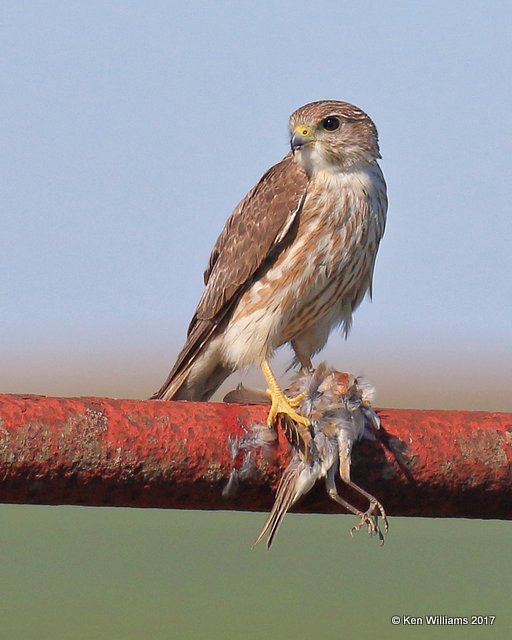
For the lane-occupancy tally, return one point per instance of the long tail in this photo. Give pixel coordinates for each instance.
(191, 377)
(286, 496)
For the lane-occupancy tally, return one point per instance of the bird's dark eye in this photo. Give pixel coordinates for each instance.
(331, 123)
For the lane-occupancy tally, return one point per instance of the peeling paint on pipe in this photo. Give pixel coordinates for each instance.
(105, 452)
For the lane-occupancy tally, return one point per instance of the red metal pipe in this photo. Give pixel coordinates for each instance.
(99, 451)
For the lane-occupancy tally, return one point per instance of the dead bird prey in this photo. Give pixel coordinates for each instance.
(338, 405)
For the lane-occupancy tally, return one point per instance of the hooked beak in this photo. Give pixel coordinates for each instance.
(302, 136)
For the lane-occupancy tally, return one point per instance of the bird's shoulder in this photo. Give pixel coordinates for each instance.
(258, 224)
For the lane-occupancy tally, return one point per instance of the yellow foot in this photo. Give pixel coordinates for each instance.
(295, 402)
(281, 404)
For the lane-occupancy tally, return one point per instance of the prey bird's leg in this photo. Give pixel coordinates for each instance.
(366, 518)
(280, 402)
(334, 495)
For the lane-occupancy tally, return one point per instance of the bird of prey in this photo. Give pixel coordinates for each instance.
(294, 260)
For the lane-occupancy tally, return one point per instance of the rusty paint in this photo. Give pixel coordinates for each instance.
(99, 451)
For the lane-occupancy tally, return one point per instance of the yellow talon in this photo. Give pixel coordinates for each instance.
(280, 402)
(295, 402)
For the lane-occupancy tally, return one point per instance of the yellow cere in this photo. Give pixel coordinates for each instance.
(302, 130)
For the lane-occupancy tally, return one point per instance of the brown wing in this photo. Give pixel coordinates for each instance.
(251, 236)
(259, 223)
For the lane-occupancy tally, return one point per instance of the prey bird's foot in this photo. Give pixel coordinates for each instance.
(370, 519)
(281, 404)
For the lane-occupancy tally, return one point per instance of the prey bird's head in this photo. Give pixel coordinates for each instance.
(332, 135)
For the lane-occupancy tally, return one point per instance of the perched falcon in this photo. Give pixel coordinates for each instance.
(294, 259)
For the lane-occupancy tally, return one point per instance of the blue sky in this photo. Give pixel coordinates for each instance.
(130, 130)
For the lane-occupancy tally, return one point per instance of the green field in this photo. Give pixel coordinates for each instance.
(81, 573)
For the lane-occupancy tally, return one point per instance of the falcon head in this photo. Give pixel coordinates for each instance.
(330, 135)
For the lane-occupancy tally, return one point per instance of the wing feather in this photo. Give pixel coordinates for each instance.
(252, 237)
(258, 224)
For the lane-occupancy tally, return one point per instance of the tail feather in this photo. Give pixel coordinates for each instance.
(206, 380)
(286, 496)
